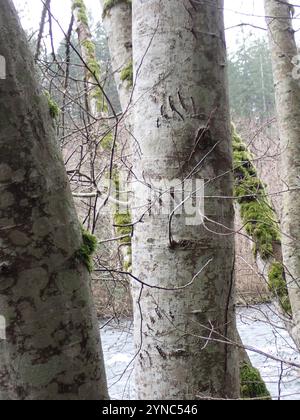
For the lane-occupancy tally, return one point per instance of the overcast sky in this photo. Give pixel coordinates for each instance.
(236, 13)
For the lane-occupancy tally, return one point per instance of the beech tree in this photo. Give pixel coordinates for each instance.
(181, 123)
(117, 21)
(52, 348)
(287, 91)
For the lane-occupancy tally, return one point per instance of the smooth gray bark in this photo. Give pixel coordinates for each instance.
(117, 22)
(287, 89)
(181, 118)
(118, 26)
(53, 348)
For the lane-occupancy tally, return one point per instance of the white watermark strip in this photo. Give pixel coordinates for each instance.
(170, 197)
(2, 328)
(2, 68)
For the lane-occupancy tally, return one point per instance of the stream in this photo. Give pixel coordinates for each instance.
(259, 327)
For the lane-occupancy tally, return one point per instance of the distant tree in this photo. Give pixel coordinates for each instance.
(284, 52)
(251, 80)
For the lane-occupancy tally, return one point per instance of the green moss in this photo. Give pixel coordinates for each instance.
(109, 4)
(121, 222)
(260, 226)
(107, 142)
(92, 63)
(53, 106)
(259, 217)
(88, 43)
(256, 211)
(117, 184)
(123, 226)
(278, 286)
(128, 266)
(90, 47)
(87, 250)
(127, 74)
(252, 384)
(82, 11)
(94, 67)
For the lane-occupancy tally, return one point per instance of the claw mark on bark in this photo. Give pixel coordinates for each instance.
(188, 11)
(128, 45)
(192, 4)
(4, 268)
(194, 106)
(157, 310)
(194, 33)
(174, 245)
(163, 112)
(181, 100)
(161, 352)
(201, 135)
(149, 328)
(229, 297)
(149, 357)
(172, 106)
(179, 353)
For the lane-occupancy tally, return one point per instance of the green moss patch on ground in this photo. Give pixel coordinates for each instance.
(252, 384)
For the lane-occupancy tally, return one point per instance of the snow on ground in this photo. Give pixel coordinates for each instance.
(259, 327)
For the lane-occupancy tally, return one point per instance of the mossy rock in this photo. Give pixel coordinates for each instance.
(252, 384)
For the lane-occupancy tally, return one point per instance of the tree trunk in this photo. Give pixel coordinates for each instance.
(287, 89)
(95, 102)
(52, 348)
(117, 20)
(182, 125)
